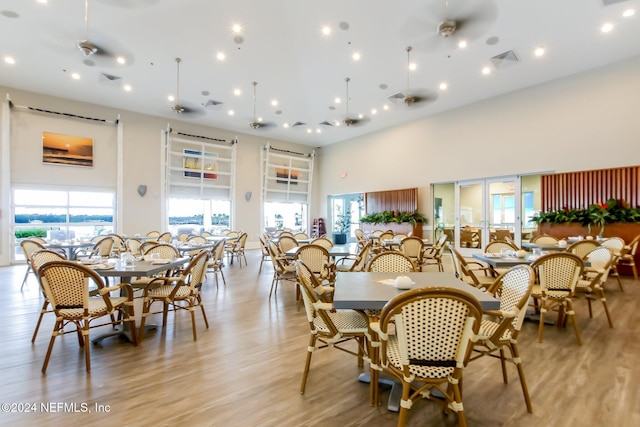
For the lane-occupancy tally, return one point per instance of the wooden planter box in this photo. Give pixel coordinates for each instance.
(626, 231)
(402, 228)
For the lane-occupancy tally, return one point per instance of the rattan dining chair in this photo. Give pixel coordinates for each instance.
(216, 262)
(318, 260)
(544, 240)
(557, 274)
(164, 251)
(628, 256)
(497, 246)
(177, 293)
(67, 287)
(413, 247)
(287, 242)
(237, 250)
(29, 246)
(582, 247)
(329, 328)
(617, 245)
(264, 251)
(427, 336)
(322, 241)
(391, 262)
(595, 276)
(499, 329)
(433, 255)
(355, 262)
(38, 258)
(133, 246)
(282, 270)
(471, 272)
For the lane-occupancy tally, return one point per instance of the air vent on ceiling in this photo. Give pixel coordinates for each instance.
(296, 124)
(610, 2)
(110, 79)
(211, 104)
(326, 123)
(504, 59)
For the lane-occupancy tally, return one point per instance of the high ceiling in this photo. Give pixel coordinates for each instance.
(281, 46)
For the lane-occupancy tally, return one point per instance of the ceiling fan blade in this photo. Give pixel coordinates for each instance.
(420, 97)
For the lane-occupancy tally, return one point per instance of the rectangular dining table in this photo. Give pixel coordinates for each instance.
(366, 291)
(140, 268)
(68, 247)
(334, 251)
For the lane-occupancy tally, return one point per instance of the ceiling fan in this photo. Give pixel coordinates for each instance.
(93, 51)
(257, 122)
(177, 106)
(349, 121)
(410, 98)
(461, 20)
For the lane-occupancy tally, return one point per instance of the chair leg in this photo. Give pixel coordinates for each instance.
(505, 378)
(165, 311)
(543, 309)
(224, 281)
(606, 307)
(513, 347)
(457, 397)
(42, 312)
(402, 415)
(26, 273)
(56, 328)
(193, 320)
(571, 313)
(312, 345)
(204, 315)
(87, 347)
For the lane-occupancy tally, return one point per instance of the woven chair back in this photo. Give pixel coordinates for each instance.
(583, 247)
(38, 258)
(391, 262)
(322, 241)
(513, 288)
(317, 259)
(545, 240)
(497, 246)
(558, 271)
(165, 251)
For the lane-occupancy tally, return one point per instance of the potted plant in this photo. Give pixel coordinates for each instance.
(341, 227)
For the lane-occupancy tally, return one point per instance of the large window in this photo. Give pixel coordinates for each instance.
(285, 215)
(197, 215)
(61, 215)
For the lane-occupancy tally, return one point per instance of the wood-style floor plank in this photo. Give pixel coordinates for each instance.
(245, 370)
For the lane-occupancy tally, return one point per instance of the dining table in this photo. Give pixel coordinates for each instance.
(334, 251)
(69, 247)
(187, 248)
(547, 247)
(372, 290)
(140, 268)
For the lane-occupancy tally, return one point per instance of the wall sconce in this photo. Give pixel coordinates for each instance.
(247, 195)
(142, 190)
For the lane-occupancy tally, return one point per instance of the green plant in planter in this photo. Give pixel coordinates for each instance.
(393, 216)
(598, 214)
(343, 222)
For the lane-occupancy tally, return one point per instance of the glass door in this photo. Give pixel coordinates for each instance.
(487, 210)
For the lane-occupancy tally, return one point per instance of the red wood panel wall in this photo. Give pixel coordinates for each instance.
(405, 200)
(578, 190)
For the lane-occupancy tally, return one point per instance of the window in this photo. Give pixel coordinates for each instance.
(196, 215)
(61, 215)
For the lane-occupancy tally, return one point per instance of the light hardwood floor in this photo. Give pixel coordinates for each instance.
(245, 369)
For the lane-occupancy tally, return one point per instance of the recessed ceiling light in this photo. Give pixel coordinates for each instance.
(356, 56)
(326, 30)
(606, 27)
(236, 28)
(237, 92)
(274, 102)
(539, 51)
(385, 107)
(360, 116)
(309, 131)
(337, 100)
(374, 111)
(336, 123)
(121, 60)
(260, 119)
(443, 86)
(127, 88)
(43, 1)
(75, 76)
(286, 125)
(231, 112)
(9, 60)
(413, 66)
(318, 130)
(629, 12)
(220, 56)
(462, 44)
(171, 98)
(486, 71)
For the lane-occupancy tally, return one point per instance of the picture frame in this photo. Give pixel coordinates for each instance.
(286, 176)
(67, 150)
(199, 165)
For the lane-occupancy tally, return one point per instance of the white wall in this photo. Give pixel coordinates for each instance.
(142, 161)
(585, 121)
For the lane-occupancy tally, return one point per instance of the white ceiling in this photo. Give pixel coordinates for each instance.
(284, 51)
